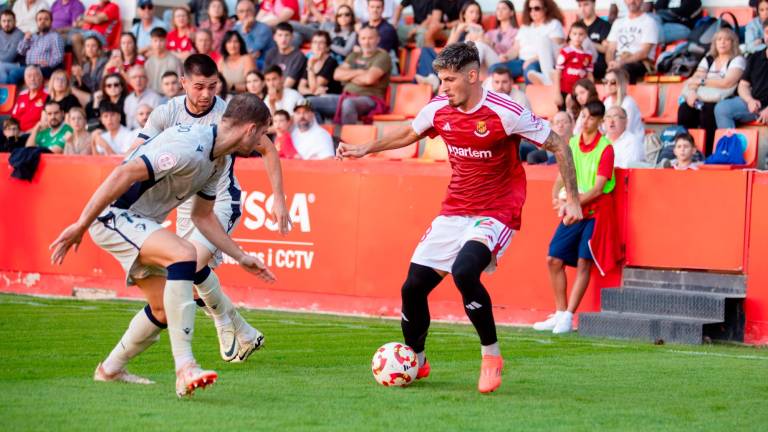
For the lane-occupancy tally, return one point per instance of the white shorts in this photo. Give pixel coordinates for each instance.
(122, 233)
(228, 216)
(443, 240)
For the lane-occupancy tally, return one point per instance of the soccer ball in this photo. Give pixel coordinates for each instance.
(394, 364)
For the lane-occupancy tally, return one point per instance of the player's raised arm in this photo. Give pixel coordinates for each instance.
(402, 137)
(205, 220)
(118, 182)
(275, 172)
(571, 211)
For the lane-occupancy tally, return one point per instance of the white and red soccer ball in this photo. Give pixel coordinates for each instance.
(394, 364)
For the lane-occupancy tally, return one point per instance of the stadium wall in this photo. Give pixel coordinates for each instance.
(356, 224)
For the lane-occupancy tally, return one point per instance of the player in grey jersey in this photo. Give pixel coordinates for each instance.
(200, 105)
(124, 217)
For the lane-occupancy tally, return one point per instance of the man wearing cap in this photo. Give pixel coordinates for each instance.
(147, 21)
(309, 139)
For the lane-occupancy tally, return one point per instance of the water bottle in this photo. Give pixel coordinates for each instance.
(698, 104)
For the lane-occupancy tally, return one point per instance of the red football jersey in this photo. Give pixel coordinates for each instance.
(177, 43)
(573, 65)
(488, 178)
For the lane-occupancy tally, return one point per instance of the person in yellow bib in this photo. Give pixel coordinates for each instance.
(574, 245)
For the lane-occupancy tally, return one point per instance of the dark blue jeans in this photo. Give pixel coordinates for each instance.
(516, 68)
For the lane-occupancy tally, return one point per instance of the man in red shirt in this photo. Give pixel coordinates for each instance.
(30, 102)
(482, 130)
(102, 20)
(273, 12)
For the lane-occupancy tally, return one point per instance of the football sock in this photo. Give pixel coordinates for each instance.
(422, 356)
(143, 331)
(415, 318)
(180, 310)
(492, 349)
(212, 296)
(472, 259)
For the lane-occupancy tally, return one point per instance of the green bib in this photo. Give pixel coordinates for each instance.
(586, 165)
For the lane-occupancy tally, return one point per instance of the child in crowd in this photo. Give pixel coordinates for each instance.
(573, 63)
(685, 149)
(11, 138)
(281, 121)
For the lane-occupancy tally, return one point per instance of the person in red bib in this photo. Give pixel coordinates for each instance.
(481, 212)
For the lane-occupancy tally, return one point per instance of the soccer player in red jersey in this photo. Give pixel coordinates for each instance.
(481, 211)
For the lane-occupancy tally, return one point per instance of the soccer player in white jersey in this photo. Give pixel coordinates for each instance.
(124, 217)
(482, 209)
(200, 105)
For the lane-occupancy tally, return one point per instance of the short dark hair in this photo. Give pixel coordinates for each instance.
(578, 25)
(274, 69)
(94, 38)
(227, 37)
(109, 107)
(323, 34)
(45, 11)
(52, 102)
(10, 121)
(8, 12)
(456, 57)
(595, 108)
(284, 26)
(685, 136)
(167, 74)
(247, 108)
(200, 64)
(502, 70)
(158, 32)
(283, 113)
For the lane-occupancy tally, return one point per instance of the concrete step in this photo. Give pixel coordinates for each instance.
(676, 303)
(648, 327)
(698, 281)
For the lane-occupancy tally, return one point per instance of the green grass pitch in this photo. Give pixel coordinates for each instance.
(314, 374)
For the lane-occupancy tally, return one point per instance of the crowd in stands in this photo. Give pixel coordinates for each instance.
(87, 82)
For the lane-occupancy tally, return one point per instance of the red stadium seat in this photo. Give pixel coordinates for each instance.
(358, 134)
(7, 98)
(647, 98)
(541, 99)
(330, 128)
(435, 150)
(699, 138)
(489, 22)
(669, 110)
(407, 152)
(409, 99)
(750, 153)
(409, 66)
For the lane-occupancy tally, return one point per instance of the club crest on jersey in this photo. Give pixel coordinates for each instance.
(481, 130)
(165, 161)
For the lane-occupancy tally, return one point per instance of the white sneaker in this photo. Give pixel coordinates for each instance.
(191, 377)
(250, 340)
(228, 346)
(120, 376)
(564, 324)
(549, 323)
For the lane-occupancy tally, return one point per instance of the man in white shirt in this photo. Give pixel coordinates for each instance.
(632, 42)
(628, 148)
(279, 97)
(309, 139)
(25, 11)
(117, 138)
(138, 79)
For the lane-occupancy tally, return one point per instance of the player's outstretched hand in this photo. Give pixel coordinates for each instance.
(251, 264)
(71, 236)
(351, 150)
(571, 213)
(280, 213)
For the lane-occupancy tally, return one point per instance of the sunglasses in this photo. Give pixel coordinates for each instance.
(610, 82)
(112, 85)
(344, 14)
(147, 7)
(536, 8)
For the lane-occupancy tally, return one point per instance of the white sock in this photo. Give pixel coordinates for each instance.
(180, 313)
(216, 302)
(139, 336)
(492, 349)
(565, 315)
(422, 357)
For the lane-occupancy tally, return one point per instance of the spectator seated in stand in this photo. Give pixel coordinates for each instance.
(141, 117)
(685, 149)
(274, 12)
(388, 40)
(203, 44)
(422, 9)
(292, 61)
(502, 38)
(752, 103)
(218, 23)
(361, 9)
(26, 11)
(124, 58)
(365, 75)
(257, 35)
(101, 20)
(598, 30)
(501, 81)
(12, 138)
(584, 92)
(160, 60)
(278, 96)
(87, 76)
(30, 102)
(309, 139)
(112, 93)
(59, 90)
(676, 18)
(51, 130)
(753, 33)
(562, 123)
(140, 95)
(45, 48)
(10, 37)
(318, 77)
(628, 148)
(116, 139)
(254, 83)
(170, 86)
(616, 82)
(78, 141)
(179, 39)
(282, 124)
(235, 63)
(342, 31)
(65, 15)
(315, 13)
(573, 63)
(143, 28)
(632, 42)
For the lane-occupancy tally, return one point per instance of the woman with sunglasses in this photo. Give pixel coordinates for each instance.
(616, 83)
(218, 22)
(342, 31)
(537, 42)
(113, 91)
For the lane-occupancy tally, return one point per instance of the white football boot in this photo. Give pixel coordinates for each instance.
(191, 377)
(120, 376)
(549, 323)
(248, 338)
(228, 346)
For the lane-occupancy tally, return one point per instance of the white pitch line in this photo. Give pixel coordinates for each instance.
(274, 242)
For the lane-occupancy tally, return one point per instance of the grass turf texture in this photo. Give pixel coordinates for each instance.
(314, 374)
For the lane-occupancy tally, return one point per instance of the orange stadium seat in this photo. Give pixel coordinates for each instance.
(541, 99)
(409, 99)
(489, 22)
(329, 127)
(742, 13)
(699, 138)
(435, 149)
(407, 152)
(358, 133)
(669, 110)
(409, 66)
(750, 153)
(7, 98)
(647, 98)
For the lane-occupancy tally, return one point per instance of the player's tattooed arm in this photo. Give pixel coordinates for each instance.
(402, 137)
(275, 172)
(571, 211)
(118, 182)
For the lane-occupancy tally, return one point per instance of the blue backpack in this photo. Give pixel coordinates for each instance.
(729, 150)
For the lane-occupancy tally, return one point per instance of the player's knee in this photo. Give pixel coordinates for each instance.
(183, 251)
(419, 282)
(554, 263)
(584, 266)
(156, 313)
(473, 258)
